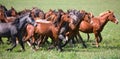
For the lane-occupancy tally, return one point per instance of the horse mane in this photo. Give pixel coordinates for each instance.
(104, 13)
(3, 7)
(18, 18)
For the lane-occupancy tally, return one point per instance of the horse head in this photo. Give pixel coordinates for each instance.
(13, 12)
(37, 13)
(112, 17)
(1, 14)
(3, 7)
(23, 20)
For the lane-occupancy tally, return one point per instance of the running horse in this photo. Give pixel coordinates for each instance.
(70, 30)
(97, 25)
(14, 30)
(36, 14)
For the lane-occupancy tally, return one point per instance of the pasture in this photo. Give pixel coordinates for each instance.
(109, 47)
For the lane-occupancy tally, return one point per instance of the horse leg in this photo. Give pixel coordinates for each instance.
(1, 41)
(26, 38)
(33, 42)
(88, 36)
(83, 43)
(59, 45)
(53, 43)
(20, 41)
(9, 41)
(100, 37)
(76, 38)
(14, 43)
(96, 38)
(72, 41)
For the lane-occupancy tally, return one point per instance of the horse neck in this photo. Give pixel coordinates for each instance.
(104, 20)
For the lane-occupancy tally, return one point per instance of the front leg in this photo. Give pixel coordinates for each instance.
(96, 39)
(20, 41)
(100, 37)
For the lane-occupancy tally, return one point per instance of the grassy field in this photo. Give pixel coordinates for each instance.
(109, 47)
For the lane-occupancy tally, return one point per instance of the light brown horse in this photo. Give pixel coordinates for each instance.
(97, 24)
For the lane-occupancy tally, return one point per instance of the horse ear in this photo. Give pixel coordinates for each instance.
(109, 11)
(68, 11)
(82, 11)
(12, 8)
(50, 9)
(68, 16)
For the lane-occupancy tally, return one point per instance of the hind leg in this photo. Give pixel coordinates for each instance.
(88, 37)
(14, 43)
(83, 43)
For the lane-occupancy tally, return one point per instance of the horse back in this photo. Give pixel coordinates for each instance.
(7, 29)
(86, 27)
(43, 28)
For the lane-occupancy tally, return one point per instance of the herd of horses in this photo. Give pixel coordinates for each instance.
(34, 26)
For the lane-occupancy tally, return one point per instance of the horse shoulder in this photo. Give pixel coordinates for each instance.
(96, 23)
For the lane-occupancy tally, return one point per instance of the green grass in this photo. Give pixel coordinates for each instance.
(109, 47)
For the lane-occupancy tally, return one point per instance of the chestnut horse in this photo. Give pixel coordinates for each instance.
(97, 25)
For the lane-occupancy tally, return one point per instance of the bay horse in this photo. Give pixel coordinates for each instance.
(97, 25)
(14, 30)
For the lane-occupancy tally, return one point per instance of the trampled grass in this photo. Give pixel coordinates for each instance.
(109, 47)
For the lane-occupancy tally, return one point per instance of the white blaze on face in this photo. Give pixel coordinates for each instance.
(116, 22)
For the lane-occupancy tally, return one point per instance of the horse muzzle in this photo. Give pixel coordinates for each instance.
(116, 22)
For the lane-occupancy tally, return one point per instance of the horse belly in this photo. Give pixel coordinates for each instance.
(85, 27)
(43, 29)
(5, 34)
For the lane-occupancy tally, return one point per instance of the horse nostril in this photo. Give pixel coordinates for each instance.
(116, 22)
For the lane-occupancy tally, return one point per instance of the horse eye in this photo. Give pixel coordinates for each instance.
(113, 16)
(89, 17)
(68, 16)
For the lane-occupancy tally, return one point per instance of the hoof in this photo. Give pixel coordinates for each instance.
(21, 50)
(85, 46)
(60, 50)
(97, 46)
(8, 49)
(51, 47)
(93, 44)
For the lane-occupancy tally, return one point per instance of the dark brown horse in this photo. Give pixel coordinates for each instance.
(8, 16)
(97, 24)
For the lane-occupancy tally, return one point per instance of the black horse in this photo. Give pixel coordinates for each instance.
(14, 30)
